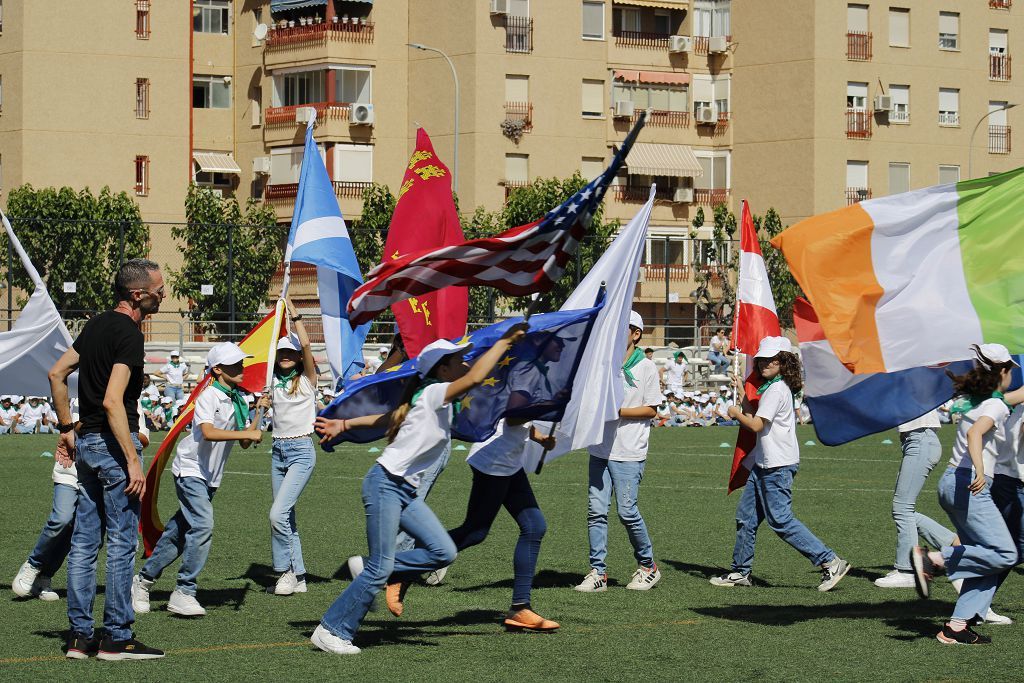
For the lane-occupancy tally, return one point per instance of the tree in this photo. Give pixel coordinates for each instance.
(784, 286)
(237, 252)
(369, 235)
(75, 236)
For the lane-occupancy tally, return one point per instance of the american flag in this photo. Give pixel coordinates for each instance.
(524, 260)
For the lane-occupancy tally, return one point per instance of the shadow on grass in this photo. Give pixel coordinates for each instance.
(264, 575)
(704, 571)
(232, 598)
(546, 578)
(407, 632)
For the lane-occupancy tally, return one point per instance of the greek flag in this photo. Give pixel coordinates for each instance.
(319, 237)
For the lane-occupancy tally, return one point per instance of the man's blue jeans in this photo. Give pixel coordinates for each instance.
(625, 478)
(188, 535)
(54, 542)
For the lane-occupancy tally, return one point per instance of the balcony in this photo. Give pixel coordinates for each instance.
(858, 123)
(899, 115)
(345, 189)
(998, 139)
(858, 46)
(511, 185)
(1000, 4)
(520, 111)
(702, 44)
(518, 34)
(665, 118)
(319, 34)
(285, 116)
(857, 194)
(949, 118)
(627, 194)
(641, 39)
(999, 67)
(711, 197)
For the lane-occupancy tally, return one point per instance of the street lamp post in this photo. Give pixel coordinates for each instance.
(455, 77)
(970, 144)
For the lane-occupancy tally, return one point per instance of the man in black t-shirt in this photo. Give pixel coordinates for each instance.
(109, 355)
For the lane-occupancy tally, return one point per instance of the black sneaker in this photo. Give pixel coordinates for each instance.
(116, 650)
(924, 570)
(968, 636)
(80, 647)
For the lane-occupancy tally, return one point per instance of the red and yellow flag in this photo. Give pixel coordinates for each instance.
(257, 343)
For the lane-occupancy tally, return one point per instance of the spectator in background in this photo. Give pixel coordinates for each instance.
(150, 390)
(8, 413)
(717, 348)
(30, 417)
(174, 373)
(374, 365)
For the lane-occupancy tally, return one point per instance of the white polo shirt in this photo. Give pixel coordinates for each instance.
(175, 374)
(674, 374)
(993, 408)
(777, 444)
(626, 439)
(502, 454)
(423, 436)
(197, 457)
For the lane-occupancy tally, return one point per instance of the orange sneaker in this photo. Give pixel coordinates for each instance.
(394, 596)
(528, 620)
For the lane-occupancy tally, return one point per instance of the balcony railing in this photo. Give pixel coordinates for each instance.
(511, 185)
(999, 67)
(284, 116)
(313, 34)
(625, 193)
(857, 194)
(662, 117)
(999, 139)
(949, 118)
(656, 272)
(899, 116)
(858, 123)
(520, 111)
(1000, 4)
(858, 46)
(710, 197)
(657, 41)
(702, 44)
(518, 33)
(342, 188)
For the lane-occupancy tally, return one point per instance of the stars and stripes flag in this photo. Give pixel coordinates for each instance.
(524, 260)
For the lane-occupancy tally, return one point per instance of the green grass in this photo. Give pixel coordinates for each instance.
(782, 629)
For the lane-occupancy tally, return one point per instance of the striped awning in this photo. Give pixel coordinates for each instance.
(660, 4)
(283, 5)
(216, 162)
(652, 77)
(649, 158)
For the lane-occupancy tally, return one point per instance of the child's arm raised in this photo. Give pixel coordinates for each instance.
(308, 363)
(485, 363)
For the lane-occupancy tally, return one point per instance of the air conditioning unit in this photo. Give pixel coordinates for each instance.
(683, 195)
(623, 109)
(304, 114)
(499, 6)
(360, 114)
(717, 44)
(883, 102)
(705, 115)
(261, 165)
(680, 43)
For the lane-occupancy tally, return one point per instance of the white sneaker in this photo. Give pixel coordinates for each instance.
(300, 586)
(185, 605)
(644, 579)
(286, 584)
(997, 619)
(328, 642)
(436, 577)
(140, 594)
(41, 589)
(593, 583)
(896, 579)
(25, 579)
(731, 579)
(355, 566)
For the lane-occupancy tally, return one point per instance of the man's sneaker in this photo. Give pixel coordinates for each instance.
(896, 579)
(968, 636)
(997, 619)
(355, 566)
(528, 620)
(593, 583)
(286, 584)
(140, 594)
(924, 570)
(832, 573)
(394, 596)
(436, 577)
(117, 650)
(80, 647)
(185, 605)
(24, 580)
(732, 579)
(328, 642)
(644, 579)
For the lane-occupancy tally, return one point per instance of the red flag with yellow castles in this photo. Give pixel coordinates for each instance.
(425, 218)
(258, 344)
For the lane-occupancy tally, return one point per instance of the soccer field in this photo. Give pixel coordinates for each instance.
(683, 629)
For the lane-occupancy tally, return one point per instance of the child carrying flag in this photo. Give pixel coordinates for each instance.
(221, 414)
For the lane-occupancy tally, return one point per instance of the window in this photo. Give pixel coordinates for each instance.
(711, 18)
(213, 179)
(721, 90)
(142, 98)
(305, 87)
(517, 168)
(899, 27)
(857, 188)
(211, 16)
(657, 97)
(353, 163)
(997, 41)
(517, 88)
(142, 30)
(949, 30)
(703, 91)
(900, 103)
(948, 174)
(856, 95)
(256, 106)
(629, 20)
(716, 171)
(593, 98)
(519, 8)
(591, 167)
(211, 92)
(141, 176)
(997, 113)
(663, 22)
(949, 107)
(856, 18)
(593, 20)
(998, 59)
(899, 177)
(352, 85)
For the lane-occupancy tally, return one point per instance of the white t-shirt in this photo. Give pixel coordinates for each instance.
(674, 374)
(30, 414)
(502, 454)
(423, 436)
(152, 391)
(777, 445)
(1010, 446)
(8, 415)
(625, 439)
(993, 408)
(294, 413)
(373, 366)
(717, 343)
(175, 374)
(929, 420)
(197, 457)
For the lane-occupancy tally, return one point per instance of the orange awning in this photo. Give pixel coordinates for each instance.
(652, 77)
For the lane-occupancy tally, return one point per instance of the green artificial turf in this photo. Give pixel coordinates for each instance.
(684, 629)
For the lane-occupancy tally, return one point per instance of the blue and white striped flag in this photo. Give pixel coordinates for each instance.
(319, 237)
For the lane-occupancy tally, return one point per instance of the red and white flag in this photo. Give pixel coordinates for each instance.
(755, 319)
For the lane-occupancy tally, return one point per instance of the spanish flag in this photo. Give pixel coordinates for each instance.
(258, 343)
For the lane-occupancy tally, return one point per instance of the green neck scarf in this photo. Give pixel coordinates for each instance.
(631, 362)
(966, 403)
(238, 403)
(283, 380)
(764, 387)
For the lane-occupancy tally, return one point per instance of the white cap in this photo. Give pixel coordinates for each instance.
(327, 392)
(6, 397)
(384, 349)
(723, 388)
(176, 352)
(636, 321)
(704, 397)
(290, 342)
(16, 398)
(773, 346)
(225, 353)
(249, 398)
(434, 352)
(166, 399)
(989, 354)
(670, 393)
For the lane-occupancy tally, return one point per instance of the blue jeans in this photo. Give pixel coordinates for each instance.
(1008, 495)
(174, 392)
(987, 549)
(720, 362)
(55, 539)
(921, 452)
(103, 506)
(768, 496)
(391, 504)
(427, 481)
(188, 535)
(291, 466)
(625, 478)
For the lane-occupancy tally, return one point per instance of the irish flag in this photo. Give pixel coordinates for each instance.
(914, 279)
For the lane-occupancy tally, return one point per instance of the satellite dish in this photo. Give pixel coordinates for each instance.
(260, 31)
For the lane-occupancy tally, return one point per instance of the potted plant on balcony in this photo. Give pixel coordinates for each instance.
(317, 19)
(513, 129)
(334, 19)
(344, 19)
(362, 21)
